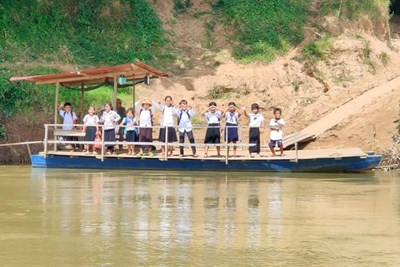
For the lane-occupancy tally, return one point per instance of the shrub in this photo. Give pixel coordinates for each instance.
(264, 29)
(319, 49)
(79, 32)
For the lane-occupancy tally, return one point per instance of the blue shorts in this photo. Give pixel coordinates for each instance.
(273, 143)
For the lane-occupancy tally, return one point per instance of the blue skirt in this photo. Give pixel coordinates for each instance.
(131, 136)
(231, 134)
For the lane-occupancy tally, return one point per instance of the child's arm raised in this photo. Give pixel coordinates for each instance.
(205, 111)
(245, 112)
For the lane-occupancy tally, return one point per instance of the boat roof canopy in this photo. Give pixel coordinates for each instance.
(90, 79)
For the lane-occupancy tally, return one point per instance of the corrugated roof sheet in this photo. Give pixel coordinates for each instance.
(131, 71)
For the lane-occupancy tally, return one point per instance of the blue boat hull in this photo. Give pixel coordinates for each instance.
(347, 164)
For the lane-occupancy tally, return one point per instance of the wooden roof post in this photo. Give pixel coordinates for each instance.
(82, 100)
(56, 104)
(114, 100)
(133, 95)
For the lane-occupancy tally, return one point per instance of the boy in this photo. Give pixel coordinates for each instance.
(276, 124)
(69, 119)
(185, 113)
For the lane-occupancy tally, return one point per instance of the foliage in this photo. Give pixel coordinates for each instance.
(20, 97)
(319, 49)
(181, 6)
(384, 57)
(79, 32)
(16, 97)
(365, 56)
(351, 9)
(264, 29)
(220, 91)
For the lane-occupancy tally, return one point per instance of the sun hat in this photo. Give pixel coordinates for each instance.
(146, 101)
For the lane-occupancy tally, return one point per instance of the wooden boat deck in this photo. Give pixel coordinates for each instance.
(241, 155)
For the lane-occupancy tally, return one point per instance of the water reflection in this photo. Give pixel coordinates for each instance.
(148, 218)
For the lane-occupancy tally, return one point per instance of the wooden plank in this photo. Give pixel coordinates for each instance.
(297, 138)
(289, 155)
(74, 133)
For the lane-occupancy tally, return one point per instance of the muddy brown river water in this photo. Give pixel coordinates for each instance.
(134, 218)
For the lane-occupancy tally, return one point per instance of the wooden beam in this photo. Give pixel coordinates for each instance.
(82, 101)
(82, 78)
(114, 100)
(133, 97)
(56, 104)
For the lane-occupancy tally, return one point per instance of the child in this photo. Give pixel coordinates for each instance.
(213, 135)
(130, 131)
(231, 129)
(91, 122)
(256, 121)
(122, 113)
(184, 114)
(109, 118)
(276, 124)
(145, 124)
(69, 119)
(167, 124)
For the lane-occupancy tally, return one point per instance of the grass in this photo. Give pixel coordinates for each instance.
(319, 49)
(366, 57)
(384, 58)
(263, 29)
(343, 77)
(182, 6)
(219, 92)
(209, 25)
(352, 10)
(79, 32)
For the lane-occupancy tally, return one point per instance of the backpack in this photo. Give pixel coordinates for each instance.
(76, 121)
(180, 116)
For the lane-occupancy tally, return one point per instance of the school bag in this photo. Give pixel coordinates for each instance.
(151, 115)
(180, 116)
(97, 142)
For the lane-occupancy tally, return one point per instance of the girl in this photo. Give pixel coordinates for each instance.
(91, 122)
(184, 114)
(130, 131)
(145, 124)
(231, 129)
(213, 135)
(256, 121)
(167, 124)
(109, 118)
(276, 124)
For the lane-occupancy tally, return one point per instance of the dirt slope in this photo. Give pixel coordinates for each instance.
(359, 60)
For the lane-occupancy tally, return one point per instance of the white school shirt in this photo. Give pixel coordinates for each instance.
(276, 134)
(255, 119)
(69, 118)
(232, 117)
(168, 113)
(145, 118)
(90, 120)
(185, 123)
(213, 117)
(107, 119)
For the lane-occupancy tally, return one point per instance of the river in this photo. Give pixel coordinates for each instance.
(133, 218)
